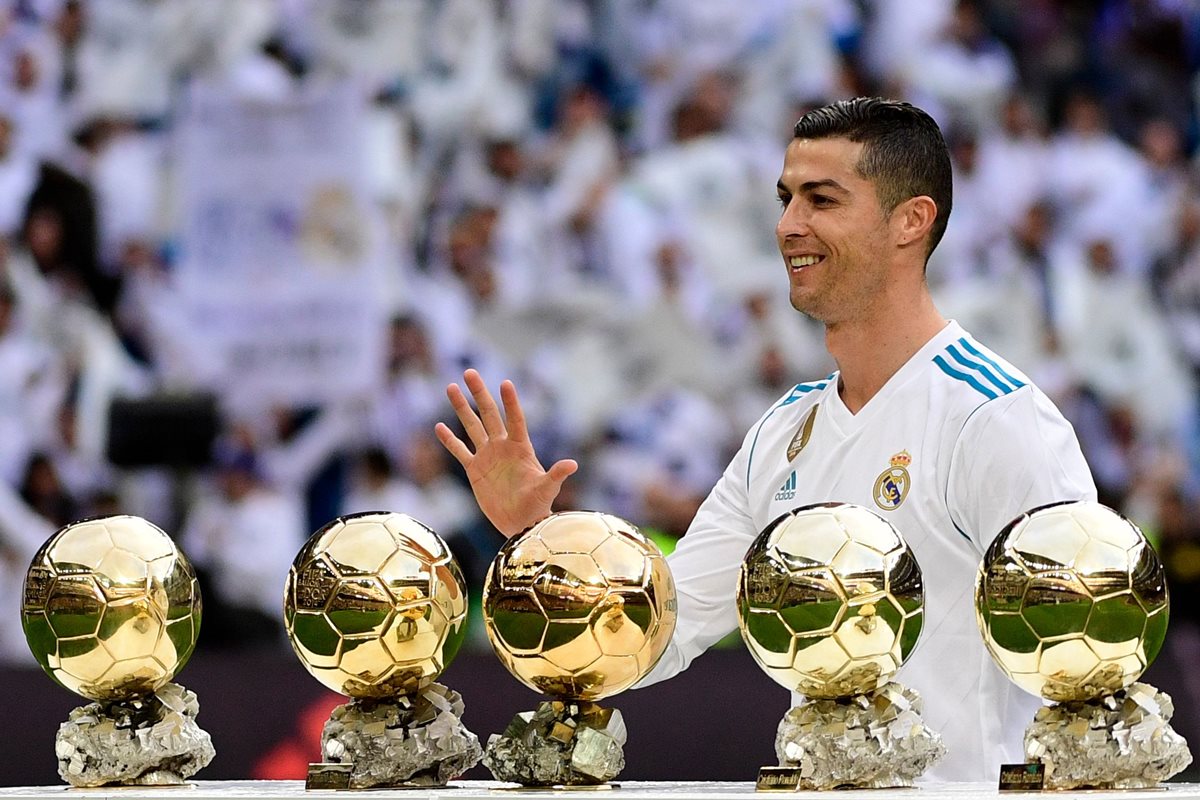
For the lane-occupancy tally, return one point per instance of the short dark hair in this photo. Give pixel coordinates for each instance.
(904, 153)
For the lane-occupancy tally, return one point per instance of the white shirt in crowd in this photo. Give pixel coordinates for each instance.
(969, 443)
(247, 544)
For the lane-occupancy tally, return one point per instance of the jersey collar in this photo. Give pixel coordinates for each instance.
(844, 422)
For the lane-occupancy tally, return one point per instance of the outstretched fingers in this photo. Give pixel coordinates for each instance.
(514, 416)
(466, 415)
(452, 443)
(489, 412)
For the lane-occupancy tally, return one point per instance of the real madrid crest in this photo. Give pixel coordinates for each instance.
(891, 487)
(803, 434)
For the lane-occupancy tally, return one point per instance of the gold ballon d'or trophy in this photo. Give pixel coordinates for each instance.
(111, 610)
(580, 606)
(1072, 603)
(830, 603)
(375, 608)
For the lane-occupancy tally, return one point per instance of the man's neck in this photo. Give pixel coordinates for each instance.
(870, 351)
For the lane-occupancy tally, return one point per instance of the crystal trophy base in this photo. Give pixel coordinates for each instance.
(416, 741)
(1120, 741)
(561, 744)
(875, 740)
(142, 741)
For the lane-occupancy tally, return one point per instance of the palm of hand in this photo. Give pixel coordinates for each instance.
(509, 484)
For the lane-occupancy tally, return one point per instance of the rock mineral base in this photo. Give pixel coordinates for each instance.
(562, 743)
(412, 740)
(868, 741)
(144, 741)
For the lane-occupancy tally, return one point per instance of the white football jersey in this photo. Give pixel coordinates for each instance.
(953, 447)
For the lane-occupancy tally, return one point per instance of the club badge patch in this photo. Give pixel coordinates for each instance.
(803, 434)
(891, 487)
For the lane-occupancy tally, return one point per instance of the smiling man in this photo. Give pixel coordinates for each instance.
(921, 423)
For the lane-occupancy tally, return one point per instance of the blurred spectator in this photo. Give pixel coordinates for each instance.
(709, 185)
(448, 507)
(966, 73)
(1178, 542)
(34, 384)
(447, 502)
(1118, 353)
(1007, 300)
(1148, 51)
(1160, 144)
(961, 253)
(242, 536)
(22, 532)
(43, 492)
(377, 487)
(18, 175)
(124, 170)
(34, 101)
(1177, 538)
(1012, 162)
(1092, 175)
(413, 389)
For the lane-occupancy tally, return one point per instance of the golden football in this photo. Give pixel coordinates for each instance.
(1072, 601)
(579, 606)
(375, 605)
(830, 600)
(111, 608)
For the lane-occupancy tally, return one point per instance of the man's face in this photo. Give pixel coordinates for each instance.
(832, 233)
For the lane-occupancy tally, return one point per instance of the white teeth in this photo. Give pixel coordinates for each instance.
(804, 261)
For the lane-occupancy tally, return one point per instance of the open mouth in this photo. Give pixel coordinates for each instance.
(800, 262)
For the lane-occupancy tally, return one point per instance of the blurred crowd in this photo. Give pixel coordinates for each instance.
(579, 195)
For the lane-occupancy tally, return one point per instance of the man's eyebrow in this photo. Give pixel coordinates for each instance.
(812, 186)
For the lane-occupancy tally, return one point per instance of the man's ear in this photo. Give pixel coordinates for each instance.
(913, 219)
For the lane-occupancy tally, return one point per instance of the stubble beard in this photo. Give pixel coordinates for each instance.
(818, 306)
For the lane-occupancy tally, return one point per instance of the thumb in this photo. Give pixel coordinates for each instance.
(561, 470)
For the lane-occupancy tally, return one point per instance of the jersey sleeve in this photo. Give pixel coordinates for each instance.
(705, 569)
(1014, 453)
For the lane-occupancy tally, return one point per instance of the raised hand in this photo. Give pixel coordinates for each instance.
(510, 485)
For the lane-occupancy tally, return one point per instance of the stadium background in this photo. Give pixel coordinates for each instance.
(246, 243)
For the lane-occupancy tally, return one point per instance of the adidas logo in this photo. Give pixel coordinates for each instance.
(788, 490)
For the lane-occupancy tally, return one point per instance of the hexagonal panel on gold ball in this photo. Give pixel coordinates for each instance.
(375, 605)
(111, 608)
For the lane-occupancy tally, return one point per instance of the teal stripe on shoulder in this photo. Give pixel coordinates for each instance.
(801, 389)
(980, 368)
(964, 377)
(979, 353)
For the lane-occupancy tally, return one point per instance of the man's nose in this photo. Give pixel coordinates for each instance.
(794, 221)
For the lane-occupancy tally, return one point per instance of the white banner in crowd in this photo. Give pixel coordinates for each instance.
(281, 262)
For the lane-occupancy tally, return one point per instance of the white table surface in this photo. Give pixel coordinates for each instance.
(642, 790)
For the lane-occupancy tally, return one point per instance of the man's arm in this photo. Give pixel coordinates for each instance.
(705, 568)
(1014, 453)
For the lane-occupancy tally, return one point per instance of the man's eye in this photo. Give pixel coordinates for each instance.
(783, 201)
(821, 200)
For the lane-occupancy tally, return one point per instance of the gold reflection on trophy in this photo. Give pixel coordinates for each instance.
(111, 608)
(375, 605)
(580, 606)
(1072, 601)
(830, 600)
